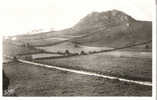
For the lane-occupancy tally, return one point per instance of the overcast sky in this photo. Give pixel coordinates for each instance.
(21, 16)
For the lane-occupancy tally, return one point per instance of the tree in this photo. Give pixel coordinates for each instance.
(147, 46)
(67, 52)
(82, 53)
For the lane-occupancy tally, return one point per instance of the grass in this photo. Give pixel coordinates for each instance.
(43, 55)
(43, 42)
(126, 67)
(71, 47)
(37, 81)
(11, 49)
(33, 80)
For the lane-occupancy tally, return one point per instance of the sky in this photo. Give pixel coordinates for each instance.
(23, 16)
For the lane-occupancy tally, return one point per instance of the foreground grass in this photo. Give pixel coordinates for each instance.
(126, 67)
(33, 80)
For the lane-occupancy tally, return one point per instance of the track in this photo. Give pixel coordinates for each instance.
(87, 73)
(146, 83)
(92, 73)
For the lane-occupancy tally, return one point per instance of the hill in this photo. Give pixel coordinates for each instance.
(113, 29)
(110, 29)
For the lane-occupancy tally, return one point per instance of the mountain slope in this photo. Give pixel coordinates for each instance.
(120, 35)
(112, 29)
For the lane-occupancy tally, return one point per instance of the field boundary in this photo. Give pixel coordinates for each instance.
(96, 52)
(146, 83)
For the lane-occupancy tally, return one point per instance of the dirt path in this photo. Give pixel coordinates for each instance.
(87, 73)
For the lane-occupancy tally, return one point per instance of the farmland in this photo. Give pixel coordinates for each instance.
(133, 65)
(71, 47)
(123, 66)
(33, 80)
(108, 43)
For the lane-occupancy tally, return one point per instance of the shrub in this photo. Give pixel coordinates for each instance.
(67, 52)
(147, 46)
(83, 53)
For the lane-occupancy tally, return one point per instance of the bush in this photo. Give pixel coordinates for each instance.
(147, 46)
(76, 53)
(58, 52)
(67, 52)
(83, 53)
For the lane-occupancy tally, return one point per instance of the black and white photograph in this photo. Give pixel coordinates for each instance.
(78, 48)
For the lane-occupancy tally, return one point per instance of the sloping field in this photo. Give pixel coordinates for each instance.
(42, 42)
(122, 66)
(129, 54)
(33, 80)
(43, 55)
(12, 49)
(71, 47)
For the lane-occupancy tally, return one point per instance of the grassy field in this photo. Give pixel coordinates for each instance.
(44, 41)
(33, 80)
(71, 47)
(43, 55)
(126, 67)
(11, 48)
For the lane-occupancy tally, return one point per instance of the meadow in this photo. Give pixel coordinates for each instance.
(31, 80)
(137, 68)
